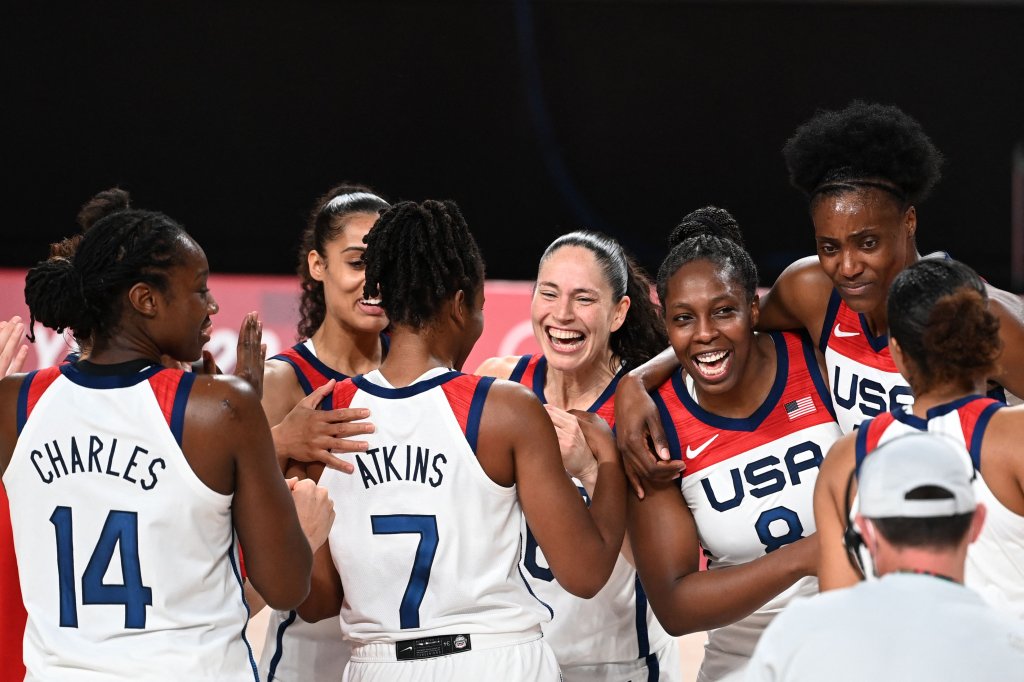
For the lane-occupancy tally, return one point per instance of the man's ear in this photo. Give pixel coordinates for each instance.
(145, 299)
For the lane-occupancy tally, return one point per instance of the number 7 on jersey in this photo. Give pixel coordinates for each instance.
(426, 528)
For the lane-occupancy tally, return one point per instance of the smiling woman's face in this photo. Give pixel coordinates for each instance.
(573, 310)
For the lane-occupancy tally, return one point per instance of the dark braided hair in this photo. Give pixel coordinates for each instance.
(642, 335)
(326, 221)
(863, 145)
(417, 257)
(710, 234)
(99, 206)
(85, 293)
(938, 312)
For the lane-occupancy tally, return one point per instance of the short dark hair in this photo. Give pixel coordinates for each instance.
(942, 532)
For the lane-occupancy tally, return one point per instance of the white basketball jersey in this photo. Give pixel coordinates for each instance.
(424, 541)
(616, 627)
(862, 375)
(995, 561)
(129, 565)
(294, 650)
(750, 482)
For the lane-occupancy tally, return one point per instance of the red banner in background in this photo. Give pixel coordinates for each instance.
(507, 329)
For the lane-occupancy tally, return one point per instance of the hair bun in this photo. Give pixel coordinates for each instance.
(53, 293)
(709, 220)
(101, 205)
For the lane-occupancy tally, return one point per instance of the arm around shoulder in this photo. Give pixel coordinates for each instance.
(798, 299)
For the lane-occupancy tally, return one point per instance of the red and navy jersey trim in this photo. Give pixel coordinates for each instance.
(172, 388)
(532, 371)
(465, 393)
(32, 388)
(311, 371)
(752, 422)
(836, 304)
(341, 397)
(468, 412)
(974, 412)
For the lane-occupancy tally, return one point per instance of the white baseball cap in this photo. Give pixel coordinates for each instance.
(910, 462)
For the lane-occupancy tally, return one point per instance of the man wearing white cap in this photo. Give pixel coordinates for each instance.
(917, 515)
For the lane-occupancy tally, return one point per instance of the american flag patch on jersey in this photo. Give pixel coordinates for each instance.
(800, 407)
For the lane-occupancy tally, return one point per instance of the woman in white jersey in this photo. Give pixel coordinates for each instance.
(864, 169)
(423, 559)
(594, 320)
(116, 461)
(341, 336)
(751, 420)
(945, 340)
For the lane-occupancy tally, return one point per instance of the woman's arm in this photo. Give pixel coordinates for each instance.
(639, 432)
(325, 591)
(225, 423)
(685, 599)
(830, 512)
(1010, 311)
(798, 299)
(581, 545)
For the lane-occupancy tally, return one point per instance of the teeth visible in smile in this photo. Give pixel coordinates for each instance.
(564, 334)
(371, 301)
(713, 356)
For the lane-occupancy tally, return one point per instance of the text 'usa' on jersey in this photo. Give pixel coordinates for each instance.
(862, 375)
(749, 482)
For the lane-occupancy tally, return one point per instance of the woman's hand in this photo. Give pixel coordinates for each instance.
(250, 354)
(12, 356)
(577, 457)
(308, 434)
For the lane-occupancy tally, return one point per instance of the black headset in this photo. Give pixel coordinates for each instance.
(853, 541)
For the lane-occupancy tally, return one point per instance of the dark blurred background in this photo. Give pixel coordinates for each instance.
(537, 117)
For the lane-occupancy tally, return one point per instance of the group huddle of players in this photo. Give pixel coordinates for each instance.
(406, 520)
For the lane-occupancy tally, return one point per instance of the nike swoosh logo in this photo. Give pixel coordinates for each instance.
(840, 333)
(408, 648)
(693, 452)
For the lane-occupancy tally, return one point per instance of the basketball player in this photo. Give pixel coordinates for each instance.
(342, 337)
(119, 454)
(423, 557)
(750, 417)
(864, 169)
(593, 318)
(12, 358)
(945, 339)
